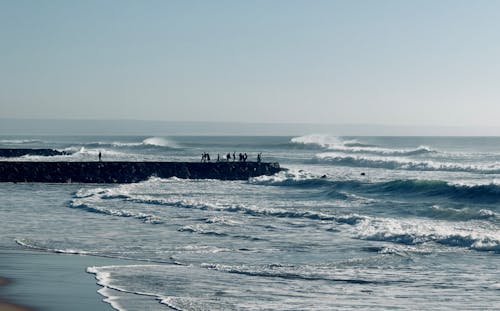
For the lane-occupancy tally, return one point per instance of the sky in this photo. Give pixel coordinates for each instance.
(425, 63)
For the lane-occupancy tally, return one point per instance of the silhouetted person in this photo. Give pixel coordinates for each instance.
(100, 156)
(203, 157)
(208, 157)
(241, 157)
(228, 157)
(218, 157)
(259, 157)
(245, 156)
(234, 156)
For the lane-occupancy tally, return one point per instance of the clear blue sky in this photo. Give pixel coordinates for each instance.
(384, 62)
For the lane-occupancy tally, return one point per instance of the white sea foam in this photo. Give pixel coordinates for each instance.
(290, 177)
(478, 236)
(94, 152)
(325, 141)
(333, 143)
(122, 144)
(104, 278)
(159, 141)
(30, 244)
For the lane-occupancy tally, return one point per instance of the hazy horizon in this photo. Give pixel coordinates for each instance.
(19, 126)
(397, 63)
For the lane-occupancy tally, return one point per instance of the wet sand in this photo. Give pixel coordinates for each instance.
(42, 281)
(6, 306)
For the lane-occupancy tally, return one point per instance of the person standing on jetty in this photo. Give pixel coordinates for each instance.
(205, 157)
(259, 157)
(100, 156)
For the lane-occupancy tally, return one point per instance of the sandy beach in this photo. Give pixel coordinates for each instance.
(35, 280)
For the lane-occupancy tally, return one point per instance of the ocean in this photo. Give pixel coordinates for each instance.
(373, 223)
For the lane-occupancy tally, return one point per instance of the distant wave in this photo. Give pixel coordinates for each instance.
(333, 143)
(290, 178)
(79, 151)
(458, 214)
(487, 193)
(19, 141)
(401, 163)
(324, 141)
(388, 152)
(159, 141)
(151, 141)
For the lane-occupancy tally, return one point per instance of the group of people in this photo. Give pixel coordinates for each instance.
(205, 157)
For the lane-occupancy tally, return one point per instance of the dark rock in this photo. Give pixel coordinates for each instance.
(128, 172)
(12, 153)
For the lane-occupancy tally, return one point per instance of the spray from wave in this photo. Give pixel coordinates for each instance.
(160, 142)
(333, 143)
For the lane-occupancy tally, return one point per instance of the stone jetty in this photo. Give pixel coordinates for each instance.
(128, 172)
(13, 153)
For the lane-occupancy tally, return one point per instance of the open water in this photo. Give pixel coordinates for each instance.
(374, 223)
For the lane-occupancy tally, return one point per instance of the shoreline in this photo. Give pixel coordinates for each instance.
(6, 305)
(43, 281)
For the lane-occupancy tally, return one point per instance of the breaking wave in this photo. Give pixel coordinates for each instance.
(92, 200)
(479, 236)
(458, 214)
(487, 193)
(401, 163)
(160, 142)
(332, 143)
(151, 141)
(19, 141)
(290, 178)
(480, 193)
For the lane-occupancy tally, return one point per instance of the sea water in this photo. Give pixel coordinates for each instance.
(374, 223)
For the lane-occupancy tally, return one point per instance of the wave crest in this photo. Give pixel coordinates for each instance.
(160, 142)
(478, 237)
(401, 163)
(333, 143)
